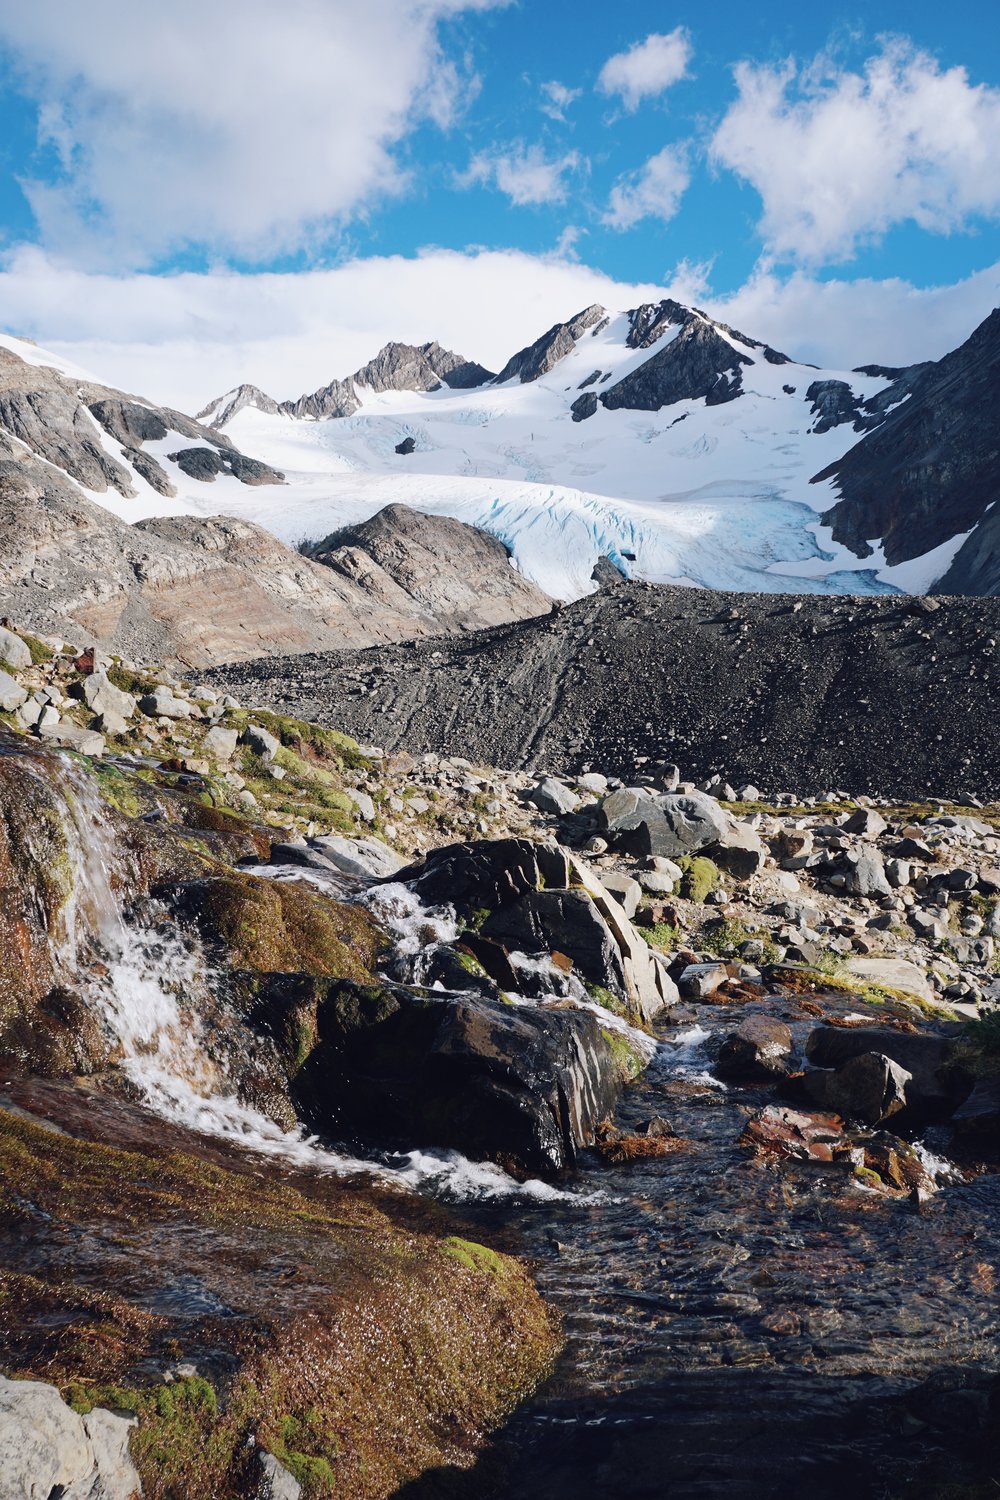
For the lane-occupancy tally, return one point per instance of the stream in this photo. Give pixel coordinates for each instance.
(734, 1326)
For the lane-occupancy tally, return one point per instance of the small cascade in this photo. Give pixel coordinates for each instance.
(151, 987)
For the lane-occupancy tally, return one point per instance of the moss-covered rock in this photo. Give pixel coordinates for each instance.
(359, 1350)
(283, 926)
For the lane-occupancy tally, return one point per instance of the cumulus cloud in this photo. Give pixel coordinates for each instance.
(838, 157)
(647, 69)
(654, 192)
(524, 173)
(556, 99)
(247, 130)
(185, 339)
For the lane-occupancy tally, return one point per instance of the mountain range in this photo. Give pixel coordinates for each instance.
(670, 446)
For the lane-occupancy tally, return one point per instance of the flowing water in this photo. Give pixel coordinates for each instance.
(734, 1327)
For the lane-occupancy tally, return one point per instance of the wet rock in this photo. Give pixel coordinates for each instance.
(47, 1449)
(759, 1049)
(977, 1121)
(870, 1088)
(938, 1081)
(778, 1131)
(698, 981)
(523, 1087)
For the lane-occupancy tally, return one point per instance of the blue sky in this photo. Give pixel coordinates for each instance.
(715, 150)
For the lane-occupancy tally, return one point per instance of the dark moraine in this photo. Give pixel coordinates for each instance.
(883, 694)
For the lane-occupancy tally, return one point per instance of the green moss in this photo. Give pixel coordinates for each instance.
(629, 1061)
(606, 998)
(136, 683)
(473, 1256)
(869, 1178)
(470, 964)
(120, 790)
(286, 927)
(661, 935)
(701, 875)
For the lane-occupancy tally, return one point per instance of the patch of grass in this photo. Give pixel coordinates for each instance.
(40, 653)
(661, 935)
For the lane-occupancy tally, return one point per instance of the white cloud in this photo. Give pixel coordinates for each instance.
(654, 192)
(184, 339)
(524, 173)
(646, 69)
(556, 99)
(839, 157)
(248, 130)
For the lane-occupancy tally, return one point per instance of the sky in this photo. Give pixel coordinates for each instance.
(195, 193)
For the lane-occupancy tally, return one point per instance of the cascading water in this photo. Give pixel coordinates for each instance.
(151, 988)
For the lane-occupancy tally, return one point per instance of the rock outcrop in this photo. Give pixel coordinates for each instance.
(546, 352)
(930, 472)
(699, 363)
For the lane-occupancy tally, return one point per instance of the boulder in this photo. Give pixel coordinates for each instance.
(977, 1121)
(866, 823)
(893, 974)
(363, 859)
(628, 892)
(85, 741)
(12, 694)
(870, 1088)
(47, 1449)
(103, 697)
(14, 652)
(521, 1086)
(364, 804)
(758, 1050)
(261, 741)
(740, 852)
(698, 981)
(938, 1081)
(161, 704)
(220, 744)
(866, 874)
(566, 909)
(778, 1131)
(551, 796)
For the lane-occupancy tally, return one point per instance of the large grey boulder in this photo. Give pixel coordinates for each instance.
(363, 859)
(161, 704)
(47, 1449)
(220, 744)
(866, 874)
(104, 698)
(14, 652)
(72, 737)
(551, 796)
(261, 741)
(12, 694)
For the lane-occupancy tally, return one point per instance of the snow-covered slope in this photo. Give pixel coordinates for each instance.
(714, 492)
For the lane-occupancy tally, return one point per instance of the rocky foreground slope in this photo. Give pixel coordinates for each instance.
(882, 695)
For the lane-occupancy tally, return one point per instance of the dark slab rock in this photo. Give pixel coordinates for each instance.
(870, 1088)
(584, 406)
(938, 1079)
(977, 1121)
(522, 1087)
(479, 877)
(697, 364)
(553, 921)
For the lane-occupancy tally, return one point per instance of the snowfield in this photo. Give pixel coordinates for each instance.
(709, 496)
